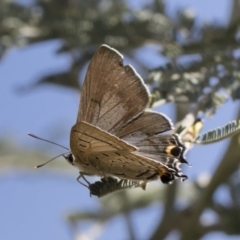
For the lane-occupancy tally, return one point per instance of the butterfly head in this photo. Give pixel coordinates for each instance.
(70, 158)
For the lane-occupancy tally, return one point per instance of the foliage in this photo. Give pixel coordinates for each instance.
(228, 130)
(202, 71)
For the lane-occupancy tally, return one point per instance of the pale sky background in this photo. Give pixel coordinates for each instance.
(33, 204)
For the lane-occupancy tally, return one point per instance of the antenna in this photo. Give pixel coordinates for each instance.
(41, 165)
(45, 140)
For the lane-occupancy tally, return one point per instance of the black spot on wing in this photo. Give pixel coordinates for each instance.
(82, 145)
(176, 151)
(167, 178)
(105, 154)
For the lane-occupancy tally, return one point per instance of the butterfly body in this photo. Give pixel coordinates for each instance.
(114, 134)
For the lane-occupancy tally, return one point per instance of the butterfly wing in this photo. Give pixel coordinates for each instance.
(101, 153)
(147, 124)
(128, 165)
(112, 94)
(144, 133)
(106, 154)
(86, 139)
(114, 99)
(166, 149)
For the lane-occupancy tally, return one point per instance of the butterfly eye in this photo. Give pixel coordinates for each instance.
(70, 158)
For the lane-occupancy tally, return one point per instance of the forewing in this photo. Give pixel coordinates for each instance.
(112, 94)
(86, 139)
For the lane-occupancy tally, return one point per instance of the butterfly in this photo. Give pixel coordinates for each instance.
(115, 136)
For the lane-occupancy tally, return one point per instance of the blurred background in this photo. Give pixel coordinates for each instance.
(187, 52)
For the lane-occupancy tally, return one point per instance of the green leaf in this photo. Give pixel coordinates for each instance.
(219, 134)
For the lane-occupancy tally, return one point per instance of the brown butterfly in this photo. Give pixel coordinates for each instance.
(115, 135)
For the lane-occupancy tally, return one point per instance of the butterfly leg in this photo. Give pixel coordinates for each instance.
(81, 175)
